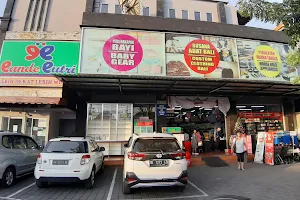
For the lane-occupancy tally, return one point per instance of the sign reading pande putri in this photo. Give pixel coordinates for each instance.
(39, 58)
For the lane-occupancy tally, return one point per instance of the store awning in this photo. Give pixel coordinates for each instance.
(177, 85)
(32, 100)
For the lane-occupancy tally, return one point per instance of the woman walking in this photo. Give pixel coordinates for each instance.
(239, 147)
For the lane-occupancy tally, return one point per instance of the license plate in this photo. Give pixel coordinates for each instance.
(159, 163)
(60, 162)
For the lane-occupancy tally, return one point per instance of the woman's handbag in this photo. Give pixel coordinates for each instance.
(200, 144)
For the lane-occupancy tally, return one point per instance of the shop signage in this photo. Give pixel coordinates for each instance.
(264, 60)
(108, 51)
(261, 115)
(171, 130)
(201, 56)
(39, 58)
(260, 145)
(269, 152)
(30, 81)
(161, 110)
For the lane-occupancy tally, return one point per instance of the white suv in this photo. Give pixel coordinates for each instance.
(69, 159)
(154, 159)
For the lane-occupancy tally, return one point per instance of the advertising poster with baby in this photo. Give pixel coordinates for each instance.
(264, 61)
(269, 149)
(201, 56)
(107, 51)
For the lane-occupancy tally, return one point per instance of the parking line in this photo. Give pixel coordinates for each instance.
(171, 198)
(112, 185)
(21, 190)
(197, 188)
(7, 198)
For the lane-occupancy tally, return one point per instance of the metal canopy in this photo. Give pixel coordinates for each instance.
(125, 84)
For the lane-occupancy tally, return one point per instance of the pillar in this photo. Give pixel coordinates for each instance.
(289, 116)
(81, 117)
(230, 121)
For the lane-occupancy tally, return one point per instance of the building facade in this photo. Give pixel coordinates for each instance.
(172, 67)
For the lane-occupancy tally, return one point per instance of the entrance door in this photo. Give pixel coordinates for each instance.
(12, 124)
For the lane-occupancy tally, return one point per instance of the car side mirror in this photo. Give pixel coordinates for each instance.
(102, 149)
(126, 145)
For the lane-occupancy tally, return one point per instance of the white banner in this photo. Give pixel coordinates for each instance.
(260, 146)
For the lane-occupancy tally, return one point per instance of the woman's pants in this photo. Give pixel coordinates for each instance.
(240, 157)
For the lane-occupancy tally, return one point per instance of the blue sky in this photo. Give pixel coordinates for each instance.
(253, 22)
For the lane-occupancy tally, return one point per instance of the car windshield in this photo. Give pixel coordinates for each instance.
(156, 145)
(66, 147)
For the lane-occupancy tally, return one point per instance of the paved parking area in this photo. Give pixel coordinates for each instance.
(258, 182)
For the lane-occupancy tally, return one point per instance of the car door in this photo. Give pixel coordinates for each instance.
(100, 155)
(23, 160)
(34, 151)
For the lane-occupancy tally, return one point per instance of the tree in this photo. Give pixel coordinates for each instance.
(287, 12)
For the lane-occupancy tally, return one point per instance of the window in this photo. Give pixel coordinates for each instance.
(118, 9)
(185, 14)
(40, 22)
(209, 17)
(7, 141)
(34, 15)
(20, 142)
(66, 147)
(104, 8)
(30, 7)
(31, 144)
(156, 145)
(146, 11)
(96, 7)
(197, 16)
(172, 13)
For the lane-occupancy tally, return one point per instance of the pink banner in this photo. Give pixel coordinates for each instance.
(269, 148)
(249, 144)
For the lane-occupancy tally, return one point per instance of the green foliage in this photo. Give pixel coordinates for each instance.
(287, 12)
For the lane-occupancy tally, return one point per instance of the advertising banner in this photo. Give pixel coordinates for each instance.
(260, 146)
(264, 61)
(249, 144)
(30, 81)
(111, 51)
(39, 58)
(269, 153)
(201, 56)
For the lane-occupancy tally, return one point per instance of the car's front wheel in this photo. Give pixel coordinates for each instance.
(126, 188)
(91, 181)
(9, 177)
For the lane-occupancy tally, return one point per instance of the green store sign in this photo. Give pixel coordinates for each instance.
(39, 58)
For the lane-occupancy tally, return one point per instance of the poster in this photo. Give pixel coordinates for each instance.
(161, 110)
(112, 51)
(264, 61)
(249, 144)
(39, 58)
(201, 56)
(269, 153)
(260, 146)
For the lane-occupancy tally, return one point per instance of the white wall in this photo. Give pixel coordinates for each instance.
(231, 14)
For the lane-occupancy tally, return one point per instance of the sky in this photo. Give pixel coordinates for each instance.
(252, 23)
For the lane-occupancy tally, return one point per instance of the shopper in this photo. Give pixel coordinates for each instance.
(194, 141)
(217, 136)
(239, 147)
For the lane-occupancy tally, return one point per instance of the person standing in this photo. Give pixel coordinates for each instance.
(194, 141)
(239, 147)
(217, 135)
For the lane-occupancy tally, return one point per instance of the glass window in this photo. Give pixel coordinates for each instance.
(185, 14)
(144, 118)
(104, 8)
(20, 142)
(7, 141)
(118, 9)
(146, 11)
(209, 17)
(156, 145)
(66, 147)
(197, 16)
(97, 4)
(15, 125)
(172, 13)
(31, 144)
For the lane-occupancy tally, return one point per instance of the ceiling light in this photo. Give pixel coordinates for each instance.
(207, 109)
(244, 109)
(193, 110)
(241, 106)
(262, 110)
(257, 106)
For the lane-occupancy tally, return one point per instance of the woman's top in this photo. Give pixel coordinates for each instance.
(194, 142)
(240, 145)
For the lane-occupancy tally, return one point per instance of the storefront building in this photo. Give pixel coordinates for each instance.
(147, 79)
(31, 98)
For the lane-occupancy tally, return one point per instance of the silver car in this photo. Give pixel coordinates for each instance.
(18, 155)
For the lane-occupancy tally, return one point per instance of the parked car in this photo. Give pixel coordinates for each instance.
(18, 155)
(154, 159)
(69, 159)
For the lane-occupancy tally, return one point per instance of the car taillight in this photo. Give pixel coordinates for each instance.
(178, 156)
(39, 159)
(136, 156)
(85, 159)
